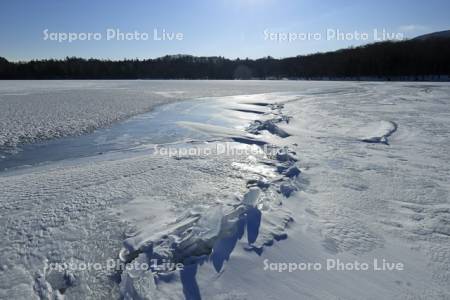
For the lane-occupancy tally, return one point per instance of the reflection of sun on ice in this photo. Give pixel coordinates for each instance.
(262, 170)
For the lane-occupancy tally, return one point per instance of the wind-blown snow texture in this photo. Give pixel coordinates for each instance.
(360, 172)
(38, 110)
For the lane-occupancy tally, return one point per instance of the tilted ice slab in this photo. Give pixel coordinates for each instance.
(224, 132)
(212, 234)
(379, 132)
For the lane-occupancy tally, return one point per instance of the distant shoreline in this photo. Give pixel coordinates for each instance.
(443, 79)
(408, 60)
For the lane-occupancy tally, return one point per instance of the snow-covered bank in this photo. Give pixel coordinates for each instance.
(361, 202)
(326, 194)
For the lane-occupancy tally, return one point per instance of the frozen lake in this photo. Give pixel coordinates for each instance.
(317, 171)
(36, 111)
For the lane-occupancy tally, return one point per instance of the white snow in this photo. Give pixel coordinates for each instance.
(361, 175)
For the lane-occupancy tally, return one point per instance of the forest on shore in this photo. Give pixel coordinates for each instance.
(414, 59)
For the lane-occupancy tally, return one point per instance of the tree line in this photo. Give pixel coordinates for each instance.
(414, 59)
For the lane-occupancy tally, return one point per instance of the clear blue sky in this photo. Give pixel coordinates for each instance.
(230, 28)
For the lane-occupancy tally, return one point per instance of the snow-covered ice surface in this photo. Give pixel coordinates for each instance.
(38, 110)
(352, 171)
